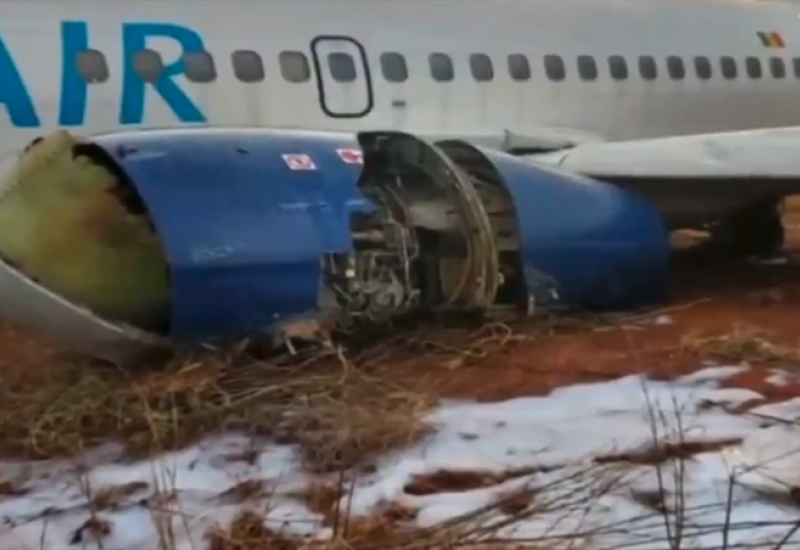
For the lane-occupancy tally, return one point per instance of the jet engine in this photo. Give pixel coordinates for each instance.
(123, 245)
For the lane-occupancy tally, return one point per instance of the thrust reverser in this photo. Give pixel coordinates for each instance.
(129, 243)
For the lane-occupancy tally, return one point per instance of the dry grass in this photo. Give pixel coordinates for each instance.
(342, 410)
(336, 410)
(743, 343)
(341, 407)
(249, 533)
(665, 523)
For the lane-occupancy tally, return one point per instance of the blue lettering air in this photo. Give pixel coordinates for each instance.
(134, 38)
(75, 37)
(13, 92)
(72, 107)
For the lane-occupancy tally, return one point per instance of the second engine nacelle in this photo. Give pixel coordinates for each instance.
(199, 235)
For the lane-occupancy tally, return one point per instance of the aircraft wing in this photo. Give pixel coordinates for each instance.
(545, 138)
(773, 153)
(697, 178)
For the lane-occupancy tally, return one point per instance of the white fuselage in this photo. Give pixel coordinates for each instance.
(359, 64)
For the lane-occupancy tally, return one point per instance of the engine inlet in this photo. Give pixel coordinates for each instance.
(66, 222)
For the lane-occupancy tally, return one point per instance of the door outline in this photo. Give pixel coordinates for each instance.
(321, 79)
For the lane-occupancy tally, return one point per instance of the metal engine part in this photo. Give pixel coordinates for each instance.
(382, 277)
(373, 282)
(214, 235)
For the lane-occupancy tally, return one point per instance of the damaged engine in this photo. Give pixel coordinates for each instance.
(125, 244)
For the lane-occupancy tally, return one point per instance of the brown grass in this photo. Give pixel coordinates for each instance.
(743, 342)
(340, 407)
(662, 452)
(109, 497)
(249, 533)
(338, 412)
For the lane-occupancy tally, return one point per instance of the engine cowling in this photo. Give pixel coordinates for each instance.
(275, 234)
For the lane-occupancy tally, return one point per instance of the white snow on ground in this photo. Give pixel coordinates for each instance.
(547, 446)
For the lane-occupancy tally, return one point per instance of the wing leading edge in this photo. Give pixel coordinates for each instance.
(693, 179)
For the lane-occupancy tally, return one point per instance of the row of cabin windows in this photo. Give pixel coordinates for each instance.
(676, 68)
(248, 66)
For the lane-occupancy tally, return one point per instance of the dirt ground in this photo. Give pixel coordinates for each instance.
(721, 310)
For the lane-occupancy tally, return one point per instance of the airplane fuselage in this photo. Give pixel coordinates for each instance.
(515, 70)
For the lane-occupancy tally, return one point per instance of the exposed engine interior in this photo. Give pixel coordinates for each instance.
(107, 235)
(431, 243)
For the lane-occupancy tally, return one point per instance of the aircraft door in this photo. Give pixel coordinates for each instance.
(343, 78)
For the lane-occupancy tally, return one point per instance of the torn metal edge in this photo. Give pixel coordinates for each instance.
(30, 305)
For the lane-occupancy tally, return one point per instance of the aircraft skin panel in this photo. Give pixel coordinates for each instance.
(628, 109)
(573, 238)
(270, 201)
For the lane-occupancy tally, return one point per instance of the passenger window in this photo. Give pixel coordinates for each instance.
(675, 67)
(393, 67)
(247, 66)
(753, 67)
(92, 66)
(648, 69)
(518, 67)
(480, 65)
(777, 68)
(342, 66)
(295, 68)
(200, 67)
(587, 68)
(728, 68)
(554, 67)
(617, 67)
(441, 67)
(702, 67)
(148, 65)
(796, 66)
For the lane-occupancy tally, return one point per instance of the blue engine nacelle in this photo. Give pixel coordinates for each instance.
(286, 233)
(600, 246)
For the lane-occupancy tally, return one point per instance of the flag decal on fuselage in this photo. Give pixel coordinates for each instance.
(771, 40)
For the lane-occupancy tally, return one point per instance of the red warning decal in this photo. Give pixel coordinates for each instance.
(299, 162)
(351, 156)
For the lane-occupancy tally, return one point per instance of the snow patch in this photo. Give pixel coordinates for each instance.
(582, 456)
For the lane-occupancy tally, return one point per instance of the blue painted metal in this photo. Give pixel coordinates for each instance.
(243, 233)
(605, 247)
